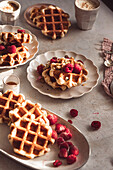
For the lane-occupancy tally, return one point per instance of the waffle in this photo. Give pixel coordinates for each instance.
(29, 110)
(53, 22)
(30, 138)
(36, 11)
(9, 37)
(8, 101)
(19, 57)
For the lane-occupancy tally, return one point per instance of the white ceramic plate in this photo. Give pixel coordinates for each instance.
(33, 46)
(78, 91)
(45, 162)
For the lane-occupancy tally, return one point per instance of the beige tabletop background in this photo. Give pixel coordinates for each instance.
(86, 43)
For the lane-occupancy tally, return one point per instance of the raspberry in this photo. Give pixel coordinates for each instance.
(66, 136)
(21, 31)
(96, 125)
(70, 143)
(40, 69)
(80, 61)
(64, 145)
(67, 130)
(57, 163)
(68, 68)
(70, 121)
(73, 112)
(60, 140)
(54, 134)
(53, 60)
(52, 118)
(63, 153)
(2, 47)
(73, 150)
(11, 49)
(77, 68)
(71, 159)
(60, 128)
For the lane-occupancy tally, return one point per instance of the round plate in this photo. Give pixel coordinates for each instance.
(27, 13)
(77, 91)
(33, 46)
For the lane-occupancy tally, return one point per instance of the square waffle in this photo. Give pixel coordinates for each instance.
(29, 110)
(30, 138)
(8, 101)
(53, 22)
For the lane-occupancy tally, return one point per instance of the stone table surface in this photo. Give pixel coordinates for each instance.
(97, 101)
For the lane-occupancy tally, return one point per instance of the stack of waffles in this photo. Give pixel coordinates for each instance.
(12, 50)
(64, 72)
(52, 21)
(30, 132)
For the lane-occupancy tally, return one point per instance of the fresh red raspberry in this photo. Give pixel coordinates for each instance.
(68, 68)
(60, 128)
(80, 61)
(60, 140)
(57, 163)
(70, 144)
(64, 145)
(70, 121)
(54, 134)
(77, 68)
(21, 31)
(71, 159)
(2, 47)
(73, 112)
(52, 118)
(73, 150)
(63, 153)
(40, 69)
(11, 49)
(53, 60)
(96, 125)
(67, 130)
(66, 136)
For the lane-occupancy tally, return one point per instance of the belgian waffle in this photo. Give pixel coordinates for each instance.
(9, 37)
(8, 101)
(53, 22)
(29, 110)
(19, 57)
(30, 138)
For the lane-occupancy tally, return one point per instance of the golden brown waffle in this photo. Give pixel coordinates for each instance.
(30, 138)
(29, 110)
(36, 11)
(53, 22)
(9, 37)
(19, 57)
(8, 101)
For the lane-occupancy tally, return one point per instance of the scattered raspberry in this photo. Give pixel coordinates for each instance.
(96, 125)
(80, 61)
(53, 60)
(70, 121)
(68, 68)
(70, 144)
(52, 118)
(66, 56)
(21, 31)
(73, 150)
(40, 69)
(2, 47)
(67, 130)
(60, 140)
(77, 68)
(63, 153)
(64, 145)
(71, 159)
(60, 128)
(54, 134)
(73, 112)
(11, 49)
(66, 136)
(57, 163)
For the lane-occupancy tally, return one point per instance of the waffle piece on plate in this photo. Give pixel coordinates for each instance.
(29, 110)
(8, 101)
(30, 138)
(53, 22)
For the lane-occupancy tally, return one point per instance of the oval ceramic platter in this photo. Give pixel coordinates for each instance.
(77, 91)
(33, 47)
(45, 162)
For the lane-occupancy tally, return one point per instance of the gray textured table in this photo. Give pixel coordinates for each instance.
(84, 42)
